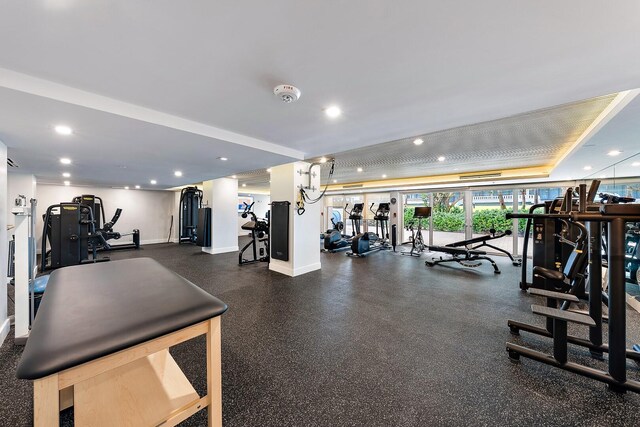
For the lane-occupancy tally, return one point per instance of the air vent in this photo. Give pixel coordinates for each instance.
(352, 186)
(11, 164)
(481, 176)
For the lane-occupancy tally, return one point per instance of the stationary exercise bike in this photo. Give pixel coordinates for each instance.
(366, 243)
(335, 240)
(417, 242)
(259, 234)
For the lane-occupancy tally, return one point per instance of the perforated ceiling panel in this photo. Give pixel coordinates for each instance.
(256, 179)
(531, 139)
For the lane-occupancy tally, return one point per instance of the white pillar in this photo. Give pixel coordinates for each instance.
(396, 215)
(21, 184)
(4, 321)
(221, 195)
(21, 277)
(304, 237)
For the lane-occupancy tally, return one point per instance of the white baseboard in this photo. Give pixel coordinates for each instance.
(281, 268)
(4, 330)
(291, 272)
(214, 251)
(150, 241)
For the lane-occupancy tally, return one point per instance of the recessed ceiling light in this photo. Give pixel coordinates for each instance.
(333, 112)
(384, 175)
(614, 153)
(66, 174)
(587, 168)
(269, 170)
(137, 187)
(323, 159)
(441, 159)
(67, 183)
(244, 185)
(63, 130)
(126, 187)
(335, 180)
(65, 161)
(359, 169)
(418, 141)
(635, 164)
(178, 173)
(234, 176)
(224, 159)
(153, 182)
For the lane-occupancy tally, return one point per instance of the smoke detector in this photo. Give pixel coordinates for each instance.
(287, 93)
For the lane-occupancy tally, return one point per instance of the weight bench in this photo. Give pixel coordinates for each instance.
(463, 256)
(465, 253)
(101, 340)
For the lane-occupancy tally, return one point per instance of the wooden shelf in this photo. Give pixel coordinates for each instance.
(150, 391)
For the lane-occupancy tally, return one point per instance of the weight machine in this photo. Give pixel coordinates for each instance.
(70, 230)
(614, 217)
(96, 205)
(190, 205)
(259, 235)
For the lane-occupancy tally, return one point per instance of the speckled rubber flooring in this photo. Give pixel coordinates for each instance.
(378, 341)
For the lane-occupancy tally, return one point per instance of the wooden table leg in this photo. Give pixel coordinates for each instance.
(46, 406)
(214, 372)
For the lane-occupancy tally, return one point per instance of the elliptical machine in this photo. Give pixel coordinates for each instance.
(366, 243)
(259, 234)
(335, 241)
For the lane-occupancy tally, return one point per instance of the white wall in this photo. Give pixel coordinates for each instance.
(148, 211)
(4, 321)
(260, 209)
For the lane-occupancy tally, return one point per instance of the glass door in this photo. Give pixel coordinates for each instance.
(489, 213)
(448, 215)
(411, 201)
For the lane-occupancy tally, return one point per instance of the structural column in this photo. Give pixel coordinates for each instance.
(221, 195)
(4, 320)
(304, 230)
(396, 215)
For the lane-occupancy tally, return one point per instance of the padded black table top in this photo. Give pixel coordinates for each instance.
(90, 311)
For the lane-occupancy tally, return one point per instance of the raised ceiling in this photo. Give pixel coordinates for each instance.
(525, 140)
(535, 139)
(396, 69)
(622, 133)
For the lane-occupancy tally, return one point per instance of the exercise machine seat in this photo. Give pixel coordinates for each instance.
(91, 311)
(548, 273)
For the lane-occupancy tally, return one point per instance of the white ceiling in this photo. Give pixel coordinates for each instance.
(395, 69)
(111, 150)
(621, 133)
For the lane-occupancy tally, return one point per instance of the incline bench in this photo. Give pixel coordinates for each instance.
(465, 253)
(101, 340)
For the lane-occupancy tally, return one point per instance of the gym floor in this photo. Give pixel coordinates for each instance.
(378, 341)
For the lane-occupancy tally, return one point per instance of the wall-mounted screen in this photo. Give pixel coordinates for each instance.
(242, 200)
